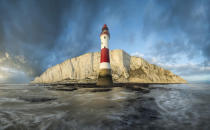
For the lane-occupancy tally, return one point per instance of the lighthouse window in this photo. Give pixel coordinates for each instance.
(104, 37)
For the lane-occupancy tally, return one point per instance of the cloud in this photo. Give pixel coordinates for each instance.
(37, 34)
(138, 54)
(190, 71)
(182, 28)
(11, 75)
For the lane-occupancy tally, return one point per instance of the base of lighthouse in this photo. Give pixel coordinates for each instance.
(105, 78)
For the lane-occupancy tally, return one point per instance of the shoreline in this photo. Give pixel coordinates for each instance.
(92, 87)
(94, 84)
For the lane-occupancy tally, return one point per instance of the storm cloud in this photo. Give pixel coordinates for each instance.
(32, 29)
(36, 33)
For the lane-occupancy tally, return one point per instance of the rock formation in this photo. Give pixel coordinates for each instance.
(125, 68)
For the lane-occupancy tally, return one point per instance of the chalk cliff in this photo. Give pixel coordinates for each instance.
(125, 68)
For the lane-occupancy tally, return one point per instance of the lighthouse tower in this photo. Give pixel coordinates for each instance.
(105, 76)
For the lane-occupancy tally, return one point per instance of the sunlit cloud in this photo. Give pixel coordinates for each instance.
(190, 71)
(12, 75)
(137, 54)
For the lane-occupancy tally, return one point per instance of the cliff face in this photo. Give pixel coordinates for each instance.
(125, 68)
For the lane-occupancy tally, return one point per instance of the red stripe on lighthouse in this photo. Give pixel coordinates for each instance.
(104, 55)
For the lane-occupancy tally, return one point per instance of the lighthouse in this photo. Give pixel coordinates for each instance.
(105, 76)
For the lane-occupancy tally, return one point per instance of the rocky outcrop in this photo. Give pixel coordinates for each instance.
(125, 68)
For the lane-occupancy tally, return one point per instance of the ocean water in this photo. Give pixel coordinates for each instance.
(177, 106)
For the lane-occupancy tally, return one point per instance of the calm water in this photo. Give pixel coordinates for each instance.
(185, 106)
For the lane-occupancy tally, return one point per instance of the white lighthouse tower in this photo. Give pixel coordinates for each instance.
(105, 77)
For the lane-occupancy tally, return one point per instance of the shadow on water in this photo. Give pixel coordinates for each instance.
(37, 99)
(140, 113)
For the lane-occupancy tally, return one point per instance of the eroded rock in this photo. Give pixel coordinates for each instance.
(125, 69)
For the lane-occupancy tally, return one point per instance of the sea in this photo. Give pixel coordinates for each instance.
(165, 107)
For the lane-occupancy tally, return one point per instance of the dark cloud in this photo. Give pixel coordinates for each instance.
(37, 34)
(39, 31)
(29, 29)
(186, 21)
(43, 33)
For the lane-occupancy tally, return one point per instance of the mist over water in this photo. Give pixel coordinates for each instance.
(184, 106)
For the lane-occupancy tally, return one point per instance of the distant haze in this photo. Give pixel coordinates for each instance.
(37, 34)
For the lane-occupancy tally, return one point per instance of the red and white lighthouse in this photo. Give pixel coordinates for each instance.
(105, 77)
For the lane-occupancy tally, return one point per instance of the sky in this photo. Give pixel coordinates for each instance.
(38, 34)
